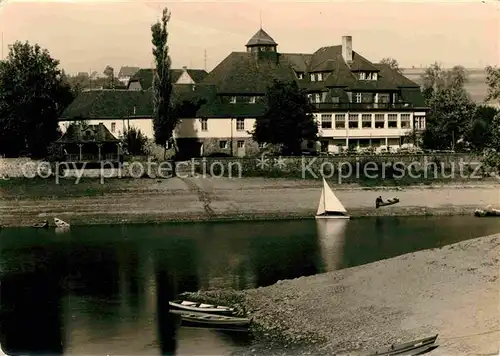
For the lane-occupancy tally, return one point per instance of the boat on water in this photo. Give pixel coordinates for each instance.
(41, 225)
(200, 307)
(210, 320)
(387, 202)
(488, 211)
(329, 206)
(60, 223)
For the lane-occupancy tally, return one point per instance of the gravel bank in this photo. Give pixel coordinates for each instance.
(452, 291)
(229, 199)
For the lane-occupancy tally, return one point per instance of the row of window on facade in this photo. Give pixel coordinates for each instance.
(382, 98)
(353, 122)
(379, 121)
(321, 76)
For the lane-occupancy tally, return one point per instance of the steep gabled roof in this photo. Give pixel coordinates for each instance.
(251, 73)
(127, 71)
(197, 74)
(261, 37)
(298, 61)
(325, 58)
(398, 79)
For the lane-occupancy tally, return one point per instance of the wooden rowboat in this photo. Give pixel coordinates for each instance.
(488, 211)
(417, 347)
(41, 225)
(200, 307)
(210, 320)
(388, 202)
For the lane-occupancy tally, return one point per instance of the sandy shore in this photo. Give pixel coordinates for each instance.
(218, 199)
(452, 291)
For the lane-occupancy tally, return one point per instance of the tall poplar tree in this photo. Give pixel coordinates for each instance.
(164, 122)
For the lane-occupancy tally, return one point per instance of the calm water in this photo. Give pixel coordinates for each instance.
(105, 289)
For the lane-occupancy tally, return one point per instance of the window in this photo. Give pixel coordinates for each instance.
(223, 144)
(204, 124)
(379, 121)
(419, 123)
(310, 97)
(392, 121)
(241, 144)
(317, 98)
(339, 121)
(405, 121)
(366, 121)
(232, 100)
(394, 97)
(251, 100)
(326, 121)
(113, 127)
(353, 121)
(374, 76)
(383, 98)
(313, 77)
(240, 124)
(320, 77)
(362, 75)
(368, 76)
(300, 75)
(358, 97)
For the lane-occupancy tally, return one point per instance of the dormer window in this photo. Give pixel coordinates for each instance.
(374, 75)
(320, 77)
(232, 100)
(251, 100)
(362, 76)
(300, 75)
(313, 77)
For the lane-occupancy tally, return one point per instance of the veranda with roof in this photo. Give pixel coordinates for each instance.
(358, 103)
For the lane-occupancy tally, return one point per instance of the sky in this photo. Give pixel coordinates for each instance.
(88, 35)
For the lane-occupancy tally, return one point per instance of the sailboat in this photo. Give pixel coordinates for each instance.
(329, 206)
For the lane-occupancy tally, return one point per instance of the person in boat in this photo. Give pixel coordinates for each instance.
(378, 201)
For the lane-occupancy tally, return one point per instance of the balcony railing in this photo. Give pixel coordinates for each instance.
(91, 157)
(361, 106)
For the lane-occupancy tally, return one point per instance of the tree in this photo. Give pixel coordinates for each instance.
(164, 122)
(451, 108)
(391, 62)
(33, 93)
(109, 72)
(135, 141)
(493, 82)
(480, 130)
(288, 119)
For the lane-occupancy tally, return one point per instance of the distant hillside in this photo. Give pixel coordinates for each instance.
(476, 86)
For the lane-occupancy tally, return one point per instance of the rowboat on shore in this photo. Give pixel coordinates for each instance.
(488, 211)
(387, 202)
(210, 320)
(417, 347)
(200, 307)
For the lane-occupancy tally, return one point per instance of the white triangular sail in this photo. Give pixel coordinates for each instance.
(328, 201)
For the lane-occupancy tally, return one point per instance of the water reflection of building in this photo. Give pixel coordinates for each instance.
(331, 236)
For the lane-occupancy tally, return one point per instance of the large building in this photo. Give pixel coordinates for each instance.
(358, 103)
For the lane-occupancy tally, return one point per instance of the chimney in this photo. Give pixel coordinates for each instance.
(347, 48)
